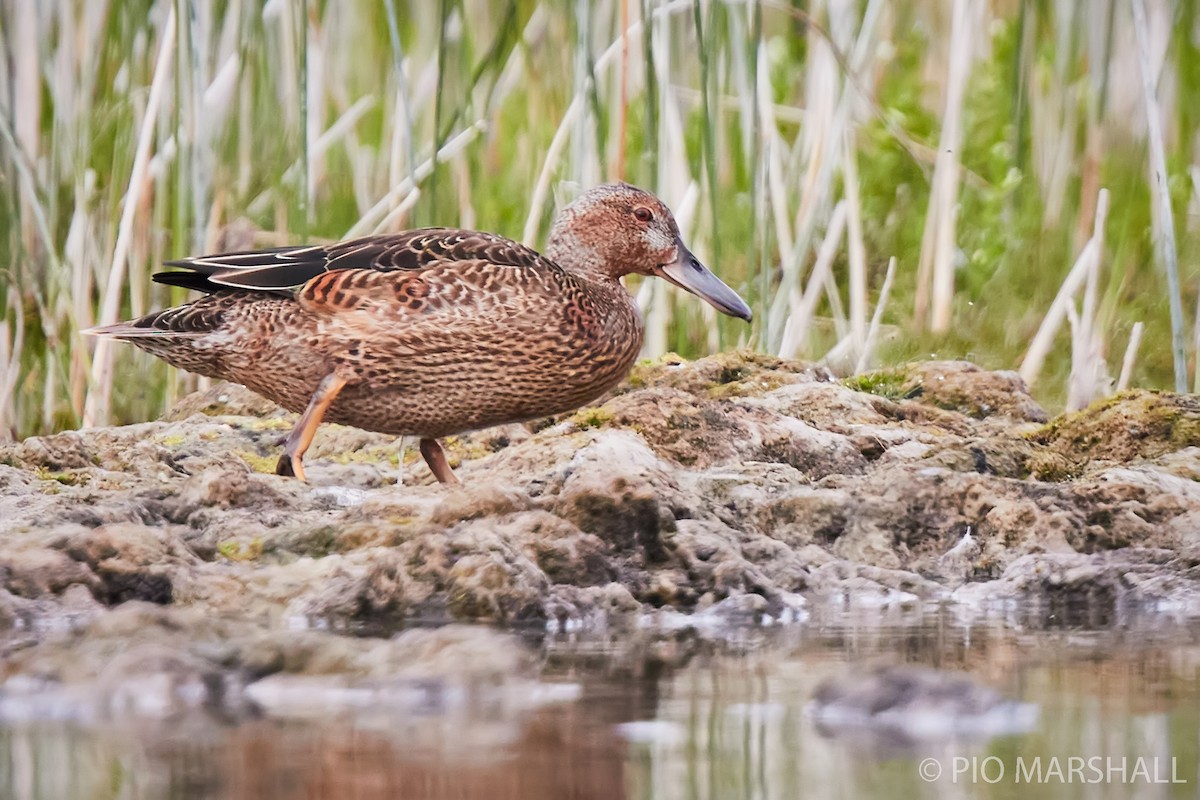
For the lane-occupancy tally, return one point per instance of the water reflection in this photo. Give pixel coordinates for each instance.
(680, 716)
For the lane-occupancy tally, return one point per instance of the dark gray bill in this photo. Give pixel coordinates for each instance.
(688, 273)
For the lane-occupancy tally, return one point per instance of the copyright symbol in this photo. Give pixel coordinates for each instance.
(930, 769)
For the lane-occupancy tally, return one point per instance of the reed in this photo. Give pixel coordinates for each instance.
(1164, 240)
(809, 148)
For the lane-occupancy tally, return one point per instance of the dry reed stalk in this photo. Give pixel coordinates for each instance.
(283, 12)
(935, 271)
(1194, 174)
(554, 152)
(80, 252)
(1099, 33)
(402, 151)
(674, 184)
(815, 187)
(190, 137)
(864, 358)
(12, 346)
(27, 181)
(462, 188)
(96, 406)
(837, 310)
(800, 318)
(6, 79)
(26, 280)
(1193, 214)
(772, 144)
(1087, 261)
(1054, 112)
(337, 132)
(583, 139)
(541, 190)
(399, 212)
(41, 228)
(839, 359)
(27, 96)
(1089, 374)
(623, 106)
(855, 246)
(754, 145)
(313, 74)
(1077, 352)
(244, 138)
(823, 124)
(400, 199)
(744, 50)
(402, 196)
(1127, 363)
(791, 115)
(1164, 241)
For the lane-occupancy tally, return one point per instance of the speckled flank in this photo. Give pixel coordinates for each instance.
(435, 331)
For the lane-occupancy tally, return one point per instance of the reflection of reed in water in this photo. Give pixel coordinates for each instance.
(728, 721)
(480, 742)
(733, 725)
(555, 754)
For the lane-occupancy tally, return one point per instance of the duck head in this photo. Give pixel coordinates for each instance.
(616, 229)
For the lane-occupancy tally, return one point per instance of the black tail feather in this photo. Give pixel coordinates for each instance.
(277, 270)
(188, 280)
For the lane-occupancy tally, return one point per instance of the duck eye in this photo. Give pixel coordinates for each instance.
(643, 214)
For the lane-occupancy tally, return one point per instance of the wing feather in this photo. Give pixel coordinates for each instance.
(282, 270)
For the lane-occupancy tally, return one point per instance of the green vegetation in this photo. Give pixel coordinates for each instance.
(595, 417)
(258, 463)
(236, 550)
(891, 384)
(1117, 429)
(66, 478)
(777, 131)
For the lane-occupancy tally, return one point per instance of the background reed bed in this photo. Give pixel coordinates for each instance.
(1016, 182)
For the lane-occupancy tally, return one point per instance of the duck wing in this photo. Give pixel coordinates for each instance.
(282, 270)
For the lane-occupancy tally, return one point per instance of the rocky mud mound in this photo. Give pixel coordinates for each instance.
(735, 488)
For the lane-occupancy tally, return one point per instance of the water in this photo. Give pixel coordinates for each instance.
(685, 716)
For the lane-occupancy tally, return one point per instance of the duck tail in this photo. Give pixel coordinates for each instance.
(180, 322)
(135, 329)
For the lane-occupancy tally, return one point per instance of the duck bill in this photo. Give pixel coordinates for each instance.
(689, 274)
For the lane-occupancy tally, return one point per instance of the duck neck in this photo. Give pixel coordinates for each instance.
(616, 310)
(576, 253)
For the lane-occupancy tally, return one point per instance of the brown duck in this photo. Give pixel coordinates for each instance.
(429, 332)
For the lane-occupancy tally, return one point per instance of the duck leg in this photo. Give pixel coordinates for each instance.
(435, 457)
(291, 463)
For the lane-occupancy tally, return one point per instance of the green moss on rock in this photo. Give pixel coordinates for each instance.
(592, 417)
(1121, 429)
(258, 463)
(893, 384)
(753, 373)
(956, 386)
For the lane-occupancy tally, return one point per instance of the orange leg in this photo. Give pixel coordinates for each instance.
(435, 457)
(291, 463)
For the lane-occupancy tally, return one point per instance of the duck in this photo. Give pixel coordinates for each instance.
(430, 332)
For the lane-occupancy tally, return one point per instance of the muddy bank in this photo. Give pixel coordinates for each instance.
(735, 489)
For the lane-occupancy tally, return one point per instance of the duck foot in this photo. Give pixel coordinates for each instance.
(291, 463)
(289, 467)
(435, 457)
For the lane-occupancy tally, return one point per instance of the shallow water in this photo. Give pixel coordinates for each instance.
(687, 716)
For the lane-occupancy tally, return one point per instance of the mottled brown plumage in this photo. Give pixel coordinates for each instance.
(429, 332)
